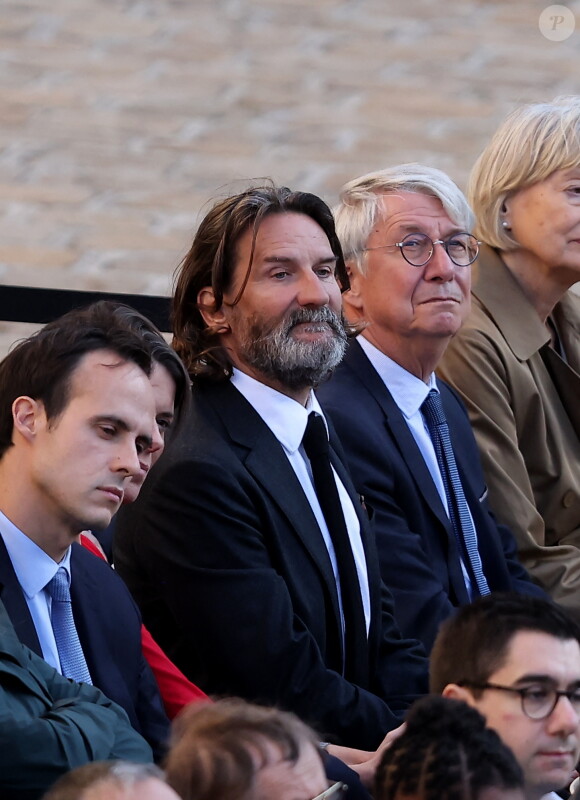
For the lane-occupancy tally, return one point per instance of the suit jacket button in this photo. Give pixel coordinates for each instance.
(568, 498)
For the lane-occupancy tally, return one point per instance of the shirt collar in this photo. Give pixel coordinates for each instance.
(286, 418)
(408, 391)
(33, 567)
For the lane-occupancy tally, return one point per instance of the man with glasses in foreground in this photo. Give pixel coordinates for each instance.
(405, 233)
(516, 659)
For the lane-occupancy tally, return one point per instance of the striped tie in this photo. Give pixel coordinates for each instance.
(459, 515)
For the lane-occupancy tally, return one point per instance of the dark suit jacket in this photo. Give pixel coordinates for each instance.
(417, 549)
(225, 558)
(49, 725)
(109, 629)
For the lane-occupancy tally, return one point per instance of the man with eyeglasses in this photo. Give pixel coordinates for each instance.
(516, 659)
(405, 232)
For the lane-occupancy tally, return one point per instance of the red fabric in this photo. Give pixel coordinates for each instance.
(175, 689)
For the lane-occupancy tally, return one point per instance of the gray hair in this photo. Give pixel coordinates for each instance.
(361, 203)
(534, 141)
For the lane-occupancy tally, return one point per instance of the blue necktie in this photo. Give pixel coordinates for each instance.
(72, 659)
(459, 515)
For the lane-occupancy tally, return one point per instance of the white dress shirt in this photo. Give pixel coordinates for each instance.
(287, 419)
(34, 569)
(409, 393)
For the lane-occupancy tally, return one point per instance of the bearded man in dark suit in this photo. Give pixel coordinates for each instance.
(228, 550)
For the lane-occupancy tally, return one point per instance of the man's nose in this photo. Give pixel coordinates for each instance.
(312, 291)
(440, 267)
(157, 442)
(130, 461)
(564, 719)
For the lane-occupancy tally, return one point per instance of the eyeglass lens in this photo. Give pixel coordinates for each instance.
(538, 703)
(417, 248)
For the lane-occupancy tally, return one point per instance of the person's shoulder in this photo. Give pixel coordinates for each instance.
(344, 377)
(83, 562)
(202, 433)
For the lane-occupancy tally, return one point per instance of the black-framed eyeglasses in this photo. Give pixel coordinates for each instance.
(417, 248)
(336, 791)
(537, 701)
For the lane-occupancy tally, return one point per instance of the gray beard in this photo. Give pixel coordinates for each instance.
(292, 363)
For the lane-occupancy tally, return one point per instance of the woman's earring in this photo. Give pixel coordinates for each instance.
(506, 225)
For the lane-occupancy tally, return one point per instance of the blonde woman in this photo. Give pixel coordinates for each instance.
(516, 361)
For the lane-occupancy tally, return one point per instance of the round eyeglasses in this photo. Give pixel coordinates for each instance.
(417, 248)
(538, 702)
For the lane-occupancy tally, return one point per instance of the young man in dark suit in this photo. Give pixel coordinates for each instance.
(241, 575)
(76, 419)
(408, 248)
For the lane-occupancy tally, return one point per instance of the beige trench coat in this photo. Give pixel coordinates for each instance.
(524, 404)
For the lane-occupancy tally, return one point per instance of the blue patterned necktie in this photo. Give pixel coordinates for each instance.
(459, 515)
(72, 658)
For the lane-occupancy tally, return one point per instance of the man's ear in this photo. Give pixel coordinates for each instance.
(26, 415)
(455, 692)
(353, 295)
(213, 318)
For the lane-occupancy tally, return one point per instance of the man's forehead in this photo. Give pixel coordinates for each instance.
(103, 358)
(102, 377)
(284, 229)
(538, 653)
(404, 207)
(104, 364)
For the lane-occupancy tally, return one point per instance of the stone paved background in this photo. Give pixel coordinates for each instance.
(120, 119)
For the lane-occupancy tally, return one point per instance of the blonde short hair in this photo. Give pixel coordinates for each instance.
(530, 145)
(361, 203)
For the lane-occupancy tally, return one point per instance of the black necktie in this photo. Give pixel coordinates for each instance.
(315, 443)
(459, 514)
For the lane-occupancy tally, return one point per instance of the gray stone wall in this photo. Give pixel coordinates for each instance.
(120, 119)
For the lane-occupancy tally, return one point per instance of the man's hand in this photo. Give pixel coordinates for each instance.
(365, 762)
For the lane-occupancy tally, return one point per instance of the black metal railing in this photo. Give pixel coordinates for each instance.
(39, 305)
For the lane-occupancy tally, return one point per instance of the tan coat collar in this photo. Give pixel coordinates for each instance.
(499, 291)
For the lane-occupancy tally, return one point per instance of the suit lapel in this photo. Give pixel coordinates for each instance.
(265, 459)
(357, 361)
(338, 462)
(15, 603)
(88, 617)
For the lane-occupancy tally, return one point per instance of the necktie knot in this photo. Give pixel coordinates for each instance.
(315, 439)
(432, 409)
(58, 586)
